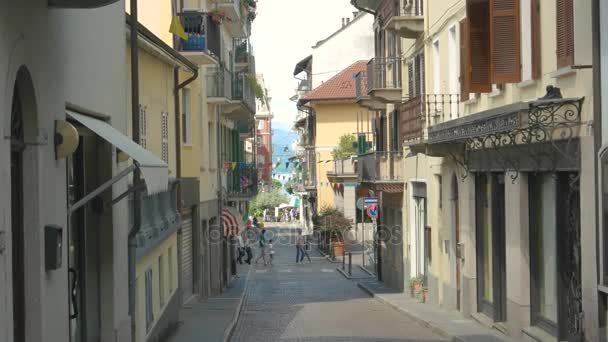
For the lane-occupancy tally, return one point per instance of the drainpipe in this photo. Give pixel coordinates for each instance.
(178, 126)
(218, 131)
(136, 175)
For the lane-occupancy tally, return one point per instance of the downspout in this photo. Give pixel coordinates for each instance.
(218, 139)
(136, 175)
(178, 125)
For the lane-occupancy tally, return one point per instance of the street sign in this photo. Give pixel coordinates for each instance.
(361, 203)
(371, 200)
(372, 211)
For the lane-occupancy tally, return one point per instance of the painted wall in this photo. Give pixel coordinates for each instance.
(332, 121)
(165, 253)
(351, 43)
(154, 15)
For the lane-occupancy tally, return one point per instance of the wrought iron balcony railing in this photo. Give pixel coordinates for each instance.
(203, 34)
(242, 183)
(243, 51)
(420, 112)
(219, 83)
(400, 8)
(383, 73)
(243, 91)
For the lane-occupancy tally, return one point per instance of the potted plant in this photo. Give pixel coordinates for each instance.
(425, 294)
(333, 224)
(218, 16)
(416, 284)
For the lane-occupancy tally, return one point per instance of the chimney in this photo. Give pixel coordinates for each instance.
(355, 14)
(343, 22)
(347, 21)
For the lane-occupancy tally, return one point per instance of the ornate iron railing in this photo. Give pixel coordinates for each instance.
(419, 112)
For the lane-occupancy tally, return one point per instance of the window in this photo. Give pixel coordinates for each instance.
(211, 144)
(261, 125)
(453, 69)
(395, 133)
(164, 133)
(149, 302)
(492, 53)
(543, 250)
(170, 268)
(415, 75)
(565, 33)
(440, 191)
(436, 68)
(143, 122)
(186, 116)
(530, 39)
(161, 280)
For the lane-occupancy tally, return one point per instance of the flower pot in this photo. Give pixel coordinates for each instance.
(216, 18)
(338, 248)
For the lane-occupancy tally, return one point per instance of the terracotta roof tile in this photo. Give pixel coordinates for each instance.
(341, 86)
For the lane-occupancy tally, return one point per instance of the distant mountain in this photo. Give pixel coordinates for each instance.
(283, 138)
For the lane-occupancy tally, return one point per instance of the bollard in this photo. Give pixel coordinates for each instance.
(350, 264)
(343, 261)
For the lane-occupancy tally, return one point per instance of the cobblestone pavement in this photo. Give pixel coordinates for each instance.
(312, 302)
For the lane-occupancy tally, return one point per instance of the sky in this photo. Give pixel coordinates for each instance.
(283, 33)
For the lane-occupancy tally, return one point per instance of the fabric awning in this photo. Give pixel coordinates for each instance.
(154, 170)
(232, 221)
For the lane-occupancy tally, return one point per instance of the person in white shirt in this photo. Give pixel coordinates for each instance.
(271, 250)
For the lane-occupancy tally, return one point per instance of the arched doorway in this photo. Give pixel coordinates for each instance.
(17, 226)
(456, 224)
(23, 127)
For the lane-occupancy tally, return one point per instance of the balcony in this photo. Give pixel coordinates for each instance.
(243, 55)
(342, 168)
(417, 114)
(403, 17)
(362, 98)
(159, 219)
(384, 79)
(80, 3)
(236, 13)
(219, 85)
(242, 105)
(203, 44)
(371, 5)
(242, 184)
(380, 168)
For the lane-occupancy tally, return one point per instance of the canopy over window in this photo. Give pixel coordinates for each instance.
(154, 170)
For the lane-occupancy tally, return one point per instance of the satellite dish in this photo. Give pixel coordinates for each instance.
(66, 139)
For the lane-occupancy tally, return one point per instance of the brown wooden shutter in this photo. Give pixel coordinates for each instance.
(410, 79)
(464, 76)
(478, 58)
(535, 29)
(422, 74)
(505, 41)
(565, 33)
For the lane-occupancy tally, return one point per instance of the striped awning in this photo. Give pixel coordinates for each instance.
(232, 221)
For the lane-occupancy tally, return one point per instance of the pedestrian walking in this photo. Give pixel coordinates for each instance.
(262, 245)
(299, 247)
(240, 249)
(271, 250)
(248, 251)
(306, 249)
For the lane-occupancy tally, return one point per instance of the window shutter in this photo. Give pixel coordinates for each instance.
(535, 29)
(422, 74)
(410, 79)
(464, 79)
(565, 33)
(478, 58)
(505, 41)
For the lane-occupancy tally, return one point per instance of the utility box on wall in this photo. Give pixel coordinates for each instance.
(53, 243)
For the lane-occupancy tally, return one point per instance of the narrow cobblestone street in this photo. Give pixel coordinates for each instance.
(313, 302)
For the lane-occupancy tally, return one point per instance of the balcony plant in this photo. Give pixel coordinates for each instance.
(252, 82)
(345, 147)
(218, 16)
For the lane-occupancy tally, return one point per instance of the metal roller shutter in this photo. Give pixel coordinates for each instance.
(186, 257)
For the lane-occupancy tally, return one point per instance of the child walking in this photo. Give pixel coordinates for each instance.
(271, 250)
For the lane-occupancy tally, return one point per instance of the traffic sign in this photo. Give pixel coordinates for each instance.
(372, 211)
(361, 203)
(371, 200)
